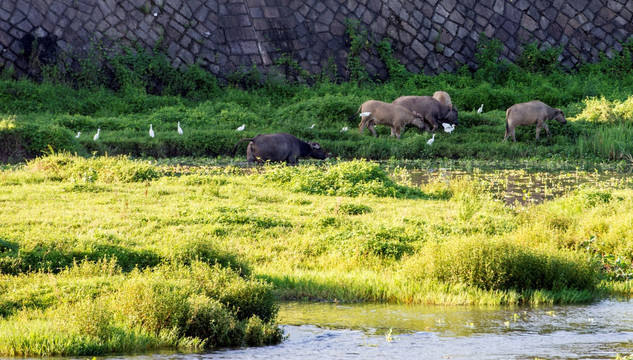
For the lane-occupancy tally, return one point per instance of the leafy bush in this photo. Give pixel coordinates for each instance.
(544, 60)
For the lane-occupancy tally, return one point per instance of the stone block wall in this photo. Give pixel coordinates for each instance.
(227, 35)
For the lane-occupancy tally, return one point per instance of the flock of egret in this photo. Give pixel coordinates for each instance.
(447, 128)
(151, 131)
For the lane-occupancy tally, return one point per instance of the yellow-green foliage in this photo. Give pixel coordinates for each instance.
(92, 313)
(602, 110)
(494, 264)
(350, 178)
(192, 256)
(62, 166)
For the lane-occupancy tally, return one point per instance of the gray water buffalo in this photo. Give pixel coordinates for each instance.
(279, 147)
(374, 112)
(432, 111)
(530, 113)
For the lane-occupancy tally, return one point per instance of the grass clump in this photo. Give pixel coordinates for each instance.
(180, 307)
(73, 168)
(351, 178)
(501, 265)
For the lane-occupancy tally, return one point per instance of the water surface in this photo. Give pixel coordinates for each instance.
(382, 331)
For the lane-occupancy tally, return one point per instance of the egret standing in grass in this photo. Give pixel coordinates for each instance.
(431, 140)
(241, 128)
(344, 129)
(481, 109)
(151, 131)
(312, 126)
(448, 128)
(78, 135)
(96, 137)
(180, 129)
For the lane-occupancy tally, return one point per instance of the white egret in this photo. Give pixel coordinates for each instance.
(366, 113)
(344, 129)
(431, 140)
(241, 128)
(312, 126)
(151, 131)
(481, 109)
(180, 129)
(78, 135)
(448, 128)
(96, 137)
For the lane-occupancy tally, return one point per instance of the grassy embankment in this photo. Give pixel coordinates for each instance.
(595, 98)
(112, 255)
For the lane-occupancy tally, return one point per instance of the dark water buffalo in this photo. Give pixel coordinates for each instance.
(432, 111)
(530, 113)
(279, 147)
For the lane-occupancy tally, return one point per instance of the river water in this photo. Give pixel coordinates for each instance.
(601, 330)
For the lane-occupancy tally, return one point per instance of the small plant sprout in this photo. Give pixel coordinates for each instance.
(96, 137)
(241, 128)
(515, 317)
(180, 129)
(151, 131)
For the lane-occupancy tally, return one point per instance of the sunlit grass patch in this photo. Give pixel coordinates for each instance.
(192, 307)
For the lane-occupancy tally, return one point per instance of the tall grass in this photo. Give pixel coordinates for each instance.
(612, 136)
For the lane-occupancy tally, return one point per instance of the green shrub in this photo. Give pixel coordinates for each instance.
(210, 320)
(352, 178)
(326, 111)
(66, 167)
(386, 244)
(501, 265)
(94, 309)
(544, 60)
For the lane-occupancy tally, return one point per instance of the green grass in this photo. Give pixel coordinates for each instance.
(136, 244)
(35, 118)
(195, 257)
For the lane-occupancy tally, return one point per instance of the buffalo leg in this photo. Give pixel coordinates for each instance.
(510, 132)
(546, 129)
(371, 128)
